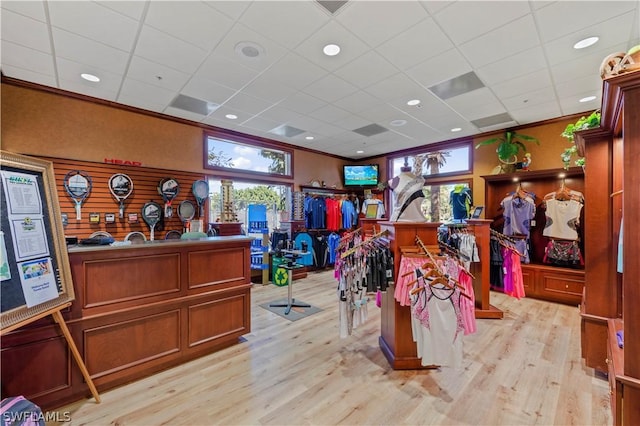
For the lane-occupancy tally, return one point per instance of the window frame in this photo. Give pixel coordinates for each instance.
(442, 146)
(243, 140)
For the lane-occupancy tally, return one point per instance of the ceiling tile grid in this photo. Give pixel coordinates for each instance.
(262, 61)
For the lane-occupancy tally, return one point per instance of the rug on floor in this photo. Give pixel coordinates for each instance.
(295, 314)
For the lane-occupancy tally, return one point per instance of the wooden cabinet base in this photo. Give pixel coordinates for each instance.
(130, 320)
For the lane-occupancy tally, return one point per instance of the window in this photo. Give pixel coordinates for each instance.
(277, 198)
(441, 161)
(250, 158)
(454, 160)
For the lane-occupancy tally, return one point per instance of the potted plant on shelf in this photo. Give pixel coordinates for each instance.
(583, 123)
(510, 144)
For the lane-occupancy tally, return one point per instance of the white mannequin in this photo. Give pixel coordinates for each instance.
(407, 191)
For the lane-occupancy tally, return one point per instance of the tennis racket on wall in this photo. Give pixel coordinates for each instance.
(186, 212)
(200, 189)
(78, 185)
(168, 188)
(121, 186)
(152, 214)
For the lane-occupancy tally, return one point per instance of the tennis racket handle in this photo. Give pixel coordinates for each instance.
(121, 211)
(78, 211)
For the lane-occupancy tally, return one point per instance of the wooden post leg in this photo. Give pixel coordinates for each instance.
(57, 316)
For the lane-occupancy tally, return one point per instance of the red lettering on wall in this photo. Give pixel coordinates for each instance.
(124, 162)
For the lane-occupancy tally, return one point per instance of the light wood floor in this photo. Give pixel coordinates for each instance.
(523, 370)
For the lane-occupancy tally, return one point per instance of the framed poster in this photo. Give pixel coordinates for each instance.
(34, 269)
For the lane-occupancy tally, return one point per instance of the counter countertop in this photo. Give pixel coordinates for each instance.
(156, 243)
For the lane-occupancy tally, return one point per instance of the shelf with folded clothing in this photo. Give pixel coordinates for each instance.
(553, 268)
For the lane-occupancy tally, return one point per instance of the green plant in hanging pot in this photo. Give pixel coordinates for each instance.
(583, 123)
(510, 143)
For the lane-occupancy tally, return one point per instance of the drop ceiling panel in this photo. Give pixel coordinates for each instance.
(535, 113)
(25, 58)
(232, 8)
(85, 51)
(220, 113)
(380, 113)
(464, 20)
(477, 104)
(94, 21)
(351, 122)
(226, 72)
(32, 9)
(268, 88)
(395, 87)
(502, 42)
(187, 115)
(570, 105)
(260, 123)
(164, 49)
(246, 103)
(330, 113)
(207, 90)
(35, 77)
(582, 66)
(144, 70)
(25, 31)
(305, 122)
(439, 68)
(578, 85)
(565, 17)
(366, 69)
(328, 130)
(416, 131)
(281, 115)
(138, 102)
(302, 103)
(287, 22)
(357, 102)
(543, 95)
(418, 43)
(330, 88)
(105, 91)
(132, 9)
(295, 71)
(146, 92)
(191, 21)
(351, 47)
(370, 21)
(523, 84)
(520, 64)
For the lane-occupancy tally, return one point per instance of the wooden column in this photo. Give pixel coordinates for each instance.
(481, 284)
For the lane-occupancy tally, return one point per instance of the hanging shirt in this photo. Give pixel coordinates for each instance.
(562, 219)
(518, 213)
(349, 214)
(461, 201)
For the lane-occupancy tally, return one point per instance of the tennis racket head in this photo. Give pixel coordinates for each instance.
(186, 211)
(121, 186)
(151, 213)
(168, 188)
(77, 184)
(200, 189)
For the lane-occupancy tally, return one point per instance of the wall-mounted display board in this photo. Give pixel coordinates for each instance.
(34, 266)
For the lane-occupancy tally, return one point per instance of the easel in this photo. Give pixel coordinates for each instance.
(58, 318)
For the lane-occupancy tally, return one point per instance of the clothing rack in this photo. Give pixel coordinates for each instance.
(371, 240)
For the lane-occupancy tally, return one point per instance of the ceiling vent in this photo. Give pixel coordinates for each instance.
(331, 6)
(457, 86)
(494, 120)
(370, 130)
(287, 131)
(197, 106)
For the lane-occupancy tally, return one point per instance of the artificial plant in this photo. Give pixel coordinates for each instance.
(510, 144)
(583, 123)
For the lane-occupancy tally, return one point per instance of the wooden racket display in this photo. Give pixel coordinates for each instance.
(168, 188)
(152, 214)
(121, 187)
(200, 189)
(78, 185)
(186, 212)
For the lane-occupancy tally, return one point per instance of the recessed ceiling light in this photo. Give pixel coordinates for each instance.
(398, 123)
(359, 151)
(587, 99)
(456, 129)
(331, 49)
(231, 116)
(90, 77)
(586, 42)
(309, 138)
(413, 102)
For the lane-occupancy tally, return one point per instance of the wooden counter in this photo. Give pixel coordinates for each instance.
(138, 309)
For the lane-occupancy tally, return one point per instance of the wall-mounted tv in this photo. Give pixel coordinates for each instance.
(367, 175)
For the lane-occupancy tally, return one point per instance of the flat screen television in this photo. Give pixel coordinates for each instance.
(367, 175)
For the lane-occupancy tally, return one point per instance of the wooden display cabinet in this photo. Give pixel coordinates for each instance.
(611, 299)
(541, 281)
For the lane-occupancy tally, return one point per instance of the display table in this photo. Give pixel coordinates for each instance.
(291, 302)
(138, 309)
